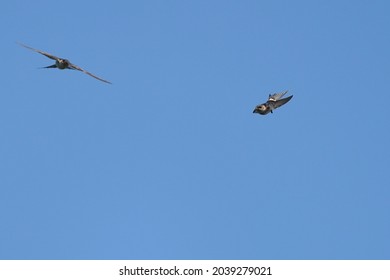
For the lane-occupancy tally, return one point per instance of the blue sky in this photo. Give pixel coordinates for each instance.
(169, 162)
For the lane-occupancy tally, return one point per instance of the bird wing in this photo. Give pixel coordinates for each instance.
(41, 52)
(281, 102)
(75, 67)
(276, 96)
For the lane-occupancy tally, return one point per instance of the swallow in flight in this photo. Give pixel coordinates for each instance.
(62, 63)
(274, 101)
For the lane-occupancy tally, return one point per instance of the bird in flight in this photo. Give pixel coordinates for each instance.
(62, 63)
(274, 101)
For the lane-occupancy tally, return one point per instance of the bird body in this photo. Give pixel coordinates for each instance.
(62, 63)
(274, 101)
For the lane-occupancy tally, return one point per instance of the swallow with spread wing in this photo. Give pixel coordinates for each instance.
(274, 101)
(62, 63)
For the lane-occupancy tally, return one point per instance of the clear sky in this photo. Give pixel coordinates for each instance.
(169, 162)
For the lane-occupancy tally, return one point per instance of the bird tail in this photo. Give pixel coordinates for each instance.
(50, 66)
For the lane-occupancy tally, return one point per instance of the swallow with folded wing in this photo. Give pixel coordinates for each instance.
(274, 101)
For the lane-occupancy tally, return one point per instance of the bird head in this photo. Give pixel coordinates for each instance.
(261, 109)
(62, 63)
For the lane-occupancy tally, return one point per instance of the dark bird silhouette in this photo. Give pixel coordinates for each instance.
(274, 101)
(62, 63)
